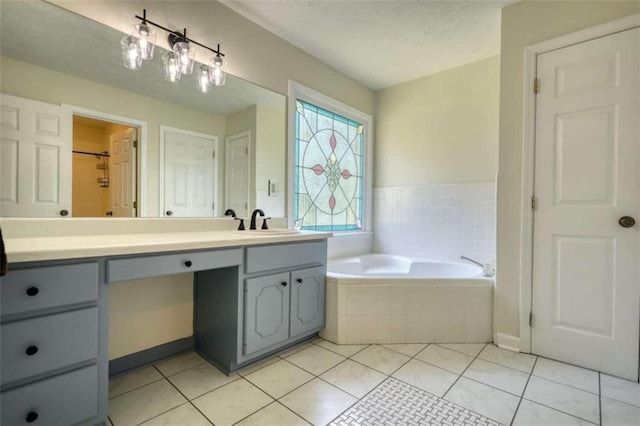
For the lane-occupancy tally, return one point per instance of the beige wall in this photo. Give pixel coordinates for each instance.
(41, 84)
(270, 148)
(442, 128)
(526, 23)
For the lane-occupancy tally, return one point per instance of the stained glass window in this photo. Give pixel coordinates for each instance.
(328, 170)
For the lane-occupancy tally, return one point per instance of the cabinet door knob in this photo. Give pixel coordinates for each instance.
(32, 291)
(298, 280)
(32, 416)
(188, 263)
(283, 283)
(31, 350)
(626, 221)
(169, 212)
(63, 212)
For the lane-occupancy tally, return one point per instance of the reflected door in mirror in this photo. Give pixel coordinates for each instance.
(237, 173)
(123, 169)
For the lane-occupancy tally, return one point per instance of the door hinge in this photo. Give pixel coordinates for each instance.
(246, 151)
(214, 154)
(246, 206)
(536, 85)
(135, 204)
(530, 319)
(135, 144)
(213, 206)
(533, 203)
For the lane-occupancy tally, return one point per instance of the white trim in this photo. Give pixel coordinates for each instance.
(528, 154)
(508, 342)
(216, 165)
(141, 153)
(239, 135)
(299, 91)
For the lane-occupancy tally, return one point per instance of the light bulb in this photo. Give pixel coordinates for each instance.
(145, 37)
(219, 75)
(171, 67)
(131, 55)
(204, 79)
(186, 54)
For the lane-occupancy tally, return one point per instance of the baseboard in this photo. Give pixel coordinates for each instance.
(151, 355)
(506, 341)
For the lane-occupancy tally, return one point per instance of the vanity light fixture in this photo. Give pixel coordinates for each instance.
(180, 60)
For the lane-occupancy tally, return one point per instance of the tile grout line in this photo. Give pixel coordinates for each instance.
(463, 371)
(523, 390)
(600, 397)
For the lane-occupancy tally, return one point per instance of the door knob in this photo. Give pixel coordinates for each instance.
(169, 212)
(627, 221)
(64, 212)
(109, 213)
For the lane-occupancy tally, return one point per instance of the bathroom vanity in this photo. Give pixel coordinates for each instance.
(253, 295)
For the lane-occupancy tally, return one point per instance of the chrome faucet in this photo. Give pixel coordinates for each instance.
(472, 261)
(256, 212)
(487, 269)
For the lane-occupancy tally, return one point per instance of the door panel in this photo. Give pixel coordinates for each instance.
(307, 300)
(189, 174)
(237, 173)
(122, 164)
(586, 277)
(35, 154)
(266, 311)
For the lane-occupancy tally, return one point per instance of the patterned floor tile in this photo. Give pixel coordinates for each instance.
(397, 403)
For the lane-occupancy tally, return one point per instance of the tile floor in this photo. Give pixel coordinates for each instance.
(320, 383)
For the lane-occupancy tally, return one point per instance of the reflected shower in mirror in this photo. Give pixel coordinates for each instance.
(155, 148)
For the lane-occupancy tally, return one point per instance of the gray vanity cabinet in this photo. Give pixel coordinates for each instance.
(266, 311)
(307, 300)
(278, 300)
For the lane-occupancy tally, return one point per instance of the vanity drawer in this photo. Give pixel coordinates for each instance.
(42, 344)
(61, 400)
(26, 290)
(280, 256)
(153, 266)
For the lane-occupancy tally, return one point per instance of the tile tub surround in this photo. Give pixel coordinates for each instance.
(436, 222)
(448, 311)
(371, 385)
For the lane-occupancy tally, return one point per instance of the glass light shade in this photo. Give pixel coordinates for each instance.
(145, 37)
(219, 71)
(204, 79)
(171, 67)
(186, 54)
(131, 55)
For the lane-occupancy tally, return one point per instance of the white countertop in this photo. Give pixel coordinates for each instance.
(73, 247)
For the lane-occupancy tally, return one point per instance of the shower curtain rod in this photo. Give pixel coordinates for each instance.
(97, 154)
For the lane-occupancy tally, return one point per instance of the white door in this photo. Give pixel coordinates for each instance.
(35, 158)
(237, 173)
(189, 174)
(586, 278)
(122, 173)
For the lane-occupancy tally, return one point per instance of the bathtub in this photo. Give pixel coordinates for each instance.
(386, 299)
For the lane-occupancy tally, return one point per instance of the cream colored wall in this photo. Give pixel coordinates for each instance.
(270, 147)
(442, 128)
(254, 53)
(526, 23)
(32, 82)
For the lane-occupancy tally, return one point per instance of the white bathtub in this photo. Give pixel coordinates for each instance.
(376, 298)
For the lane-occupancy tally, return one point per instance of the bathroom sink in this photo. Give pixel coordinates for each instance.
(272, 232)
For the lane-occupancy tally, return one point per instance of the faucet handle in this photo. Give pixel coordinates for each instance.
(241, 226)
(264, 223)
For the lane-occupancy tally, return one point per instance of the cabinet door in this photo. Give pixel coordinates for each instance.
(307, 300)
(266, 311)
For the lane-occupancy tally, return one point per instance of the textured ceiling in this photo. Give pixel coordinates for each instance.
(69, 43)
(383, 43)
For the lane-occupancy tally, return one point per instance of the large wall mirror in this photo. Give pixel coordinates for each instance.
(83, 136)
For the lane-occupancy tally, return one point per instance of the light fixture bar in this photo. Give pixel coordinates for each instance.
(177, 34)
